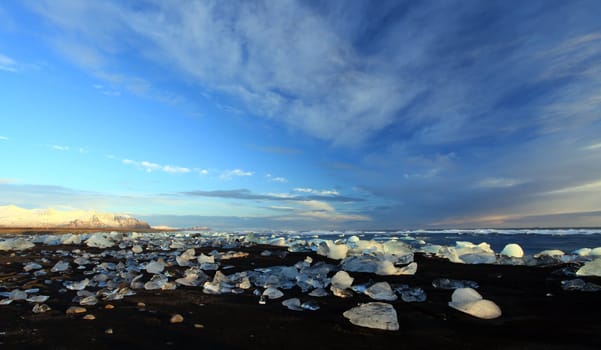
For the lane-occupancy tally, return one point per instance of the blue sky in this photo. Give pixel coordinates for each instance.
(305, 114)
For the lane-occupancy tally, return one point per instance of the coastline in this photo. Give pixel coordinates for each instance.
(537, 313)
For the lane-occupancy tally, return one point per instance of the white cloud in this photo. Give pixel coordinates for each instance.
(60, 148)
(324, 211)
(202, 171)
(228, 174)
(498, 182)
(592, 147)
(279, 179)
(7, 64)
(3, 138)
(317, 192)
(150, 167)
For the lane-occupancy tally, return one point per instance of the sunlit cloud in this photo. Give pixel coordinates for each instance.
(7, 181)
(592, 147)
(150, 167)
(317, 192)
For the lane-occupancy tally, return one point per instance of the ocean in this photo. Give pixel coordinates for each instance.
(532, 241)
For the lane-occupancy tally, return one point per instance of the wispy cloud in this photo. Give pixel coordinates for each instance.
(247, 194)
(3, 138)
(8, 64)
(7, 181)
(150, 167)
(592, 147)
(229, 174)
(279, 179)
(317, 192)
(498, 182)
(59, 148)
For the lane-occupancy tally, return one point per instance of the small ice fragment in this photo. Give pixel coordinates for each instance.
(266, 253)
(319, 292)
(38, 299)
(77, 285)
(91, 300)
(263, 300)
(40, 308)
(273, 293)
(293, 304)
(17, 294)
(75, 310)
(6, 301)
(89, 317)
(410, 295)
(447, 283)
(332, 250)
(310, 305)
(137, 249)
(591, 268)
(156, 282)
(31, 266)
(185, 257)
(60, 266)
(513, 250)
(551, 253)
(381, 291)
(205, 259)
(469, 301)
(177, 318)
(580, 285)
(374, 315)
(155, 266)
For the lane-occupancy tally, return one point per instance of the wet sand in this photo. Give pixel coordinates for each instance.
(537, 313)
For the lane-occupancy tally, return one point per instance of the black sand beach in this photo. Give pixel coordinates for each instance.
(537, 313)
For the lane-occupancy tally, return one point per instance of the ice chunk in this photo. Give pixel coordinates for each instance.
(156, 282)
(595, 251)
(15, 244)
(342, 280)
(89, 300)
(5, 301)
(374, 315)
(38, 299)
(381, 291)
(387, 268)
(319, 292)
(273, 293)
(137, 249)
(471, 253)
(185, 257)
(293, 304)
(591, 268)
(551, 253)
(75, 310)
(310, 305)
(40, 308)
(579, 285)
(17, 294)
(77, 285)
(332, 250)
(582, 252)
(469, 301)
(60, 266)
(410, 295)
(193, 277)
(447, 283)
(155, 266)
(513, 250)
(31, 266)
(99, 240)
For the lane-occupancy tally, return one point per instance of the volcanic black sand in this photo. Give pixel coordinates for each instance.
(537, 313)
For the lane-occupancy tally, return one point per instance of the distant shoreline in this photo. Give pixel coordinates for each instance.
(49, 230)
